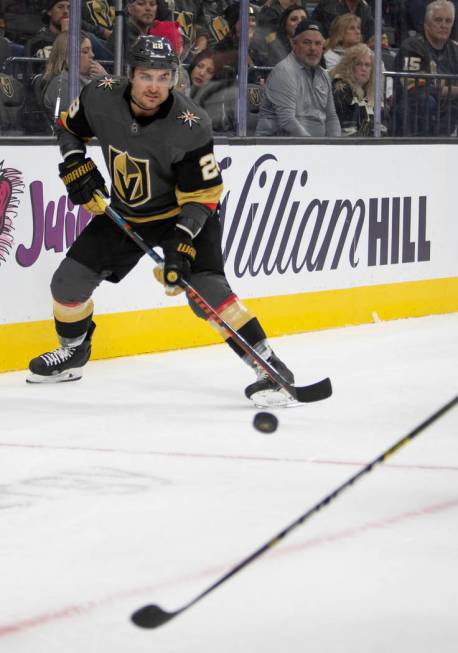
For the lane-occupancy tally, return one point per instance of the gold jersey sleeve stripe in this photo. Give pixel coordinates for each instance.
(203, 196)
(74, 312)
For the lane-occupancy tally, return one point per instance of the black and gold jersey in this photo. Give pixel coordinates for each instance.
(207, 15)
(157, 165)
(417, 55)
(99, 13)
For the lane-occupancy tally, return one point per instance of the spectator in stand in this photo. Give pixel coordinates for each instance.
(140, 17)
(202, 16)
(201, 71)
(270, 14)
(280, 43)
(22, 19)
(12, 99)
(97, 17)
(97, 21)
(344, 33)
(219, 96)
(171, 30)
(416, 10)
(327, 10)
(54, 83)
(201, 43)
(353, 90)
(227, 51)
(298, 99)
(431, 52)
(55, 18)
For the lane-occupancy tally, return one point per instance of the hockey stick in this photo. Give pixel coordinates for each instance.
(303, 394)
(152, 616)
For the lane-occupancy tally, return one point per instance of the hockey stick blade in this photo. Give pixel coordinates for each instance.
(314, 392)
(152, 616)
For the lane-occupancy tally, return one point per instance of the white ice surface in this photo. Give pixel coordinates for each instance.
(145, 482)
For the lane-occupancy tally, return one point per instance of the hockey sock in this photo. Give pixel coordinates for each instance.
(72, 321)
(246, 324)
(254, 334)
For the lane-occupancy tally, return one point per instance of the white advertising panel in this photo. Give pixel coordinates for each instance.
(296, 218)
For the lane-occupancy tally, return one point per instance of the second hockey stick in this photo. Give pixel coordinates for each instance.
(152, 616)
(303, 394)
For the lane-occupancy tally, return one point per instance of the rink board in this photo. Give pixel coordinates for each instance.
(309, 244)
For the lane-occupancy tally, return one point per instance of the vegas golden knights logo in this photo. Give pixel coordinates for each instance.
(130, 177)
(6, 86)
(100, 13)
(219, 28)
(254, 97)
(186, 20)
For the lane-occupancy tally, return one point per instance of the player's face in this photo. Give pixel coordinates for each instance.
(203, 72)
(293, 19)
(150, 88)
(362, 70)
(438, 27)
(308, 47)
(143, 12)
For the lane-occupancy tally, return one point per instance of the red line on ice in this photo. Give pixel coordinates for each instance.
(184, 454)
(76, 610)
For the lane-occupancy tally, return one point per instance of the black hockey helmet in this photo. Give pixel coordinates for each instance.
(152, 52)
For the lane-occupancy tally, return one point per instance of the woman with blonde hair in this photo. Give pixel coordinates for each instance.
(54, 82)
(345, 32)
(353, 90)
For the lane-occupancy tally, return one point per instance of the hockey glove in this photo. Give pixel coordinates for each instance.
(179, 253)
(82, 178)
(171, 291)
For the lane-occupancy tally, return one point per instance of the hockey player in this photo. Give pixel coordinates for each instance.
(166, 182)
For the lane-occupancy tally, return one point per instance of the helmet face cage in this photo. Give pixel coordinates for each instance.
(153, 52)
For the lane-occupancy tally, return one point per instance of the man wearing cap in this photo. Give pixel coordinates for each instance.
(298, 99)
(55, 18)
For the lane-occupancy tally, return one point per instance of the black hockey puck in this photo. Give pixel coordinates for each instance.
(265, 422)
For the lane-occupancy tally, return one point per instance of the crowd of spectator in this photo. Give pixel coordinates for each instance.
(310, 64)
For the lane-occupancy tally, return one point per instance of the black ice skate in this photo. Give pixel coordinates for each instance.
(264, 392)
(62, 364)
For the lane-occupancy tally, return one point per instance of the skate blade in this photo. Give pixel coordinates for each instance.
(62, 377)
(273, 399)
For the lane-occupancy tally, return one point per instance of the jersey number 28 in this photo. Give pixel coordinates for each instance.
(209, 167)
